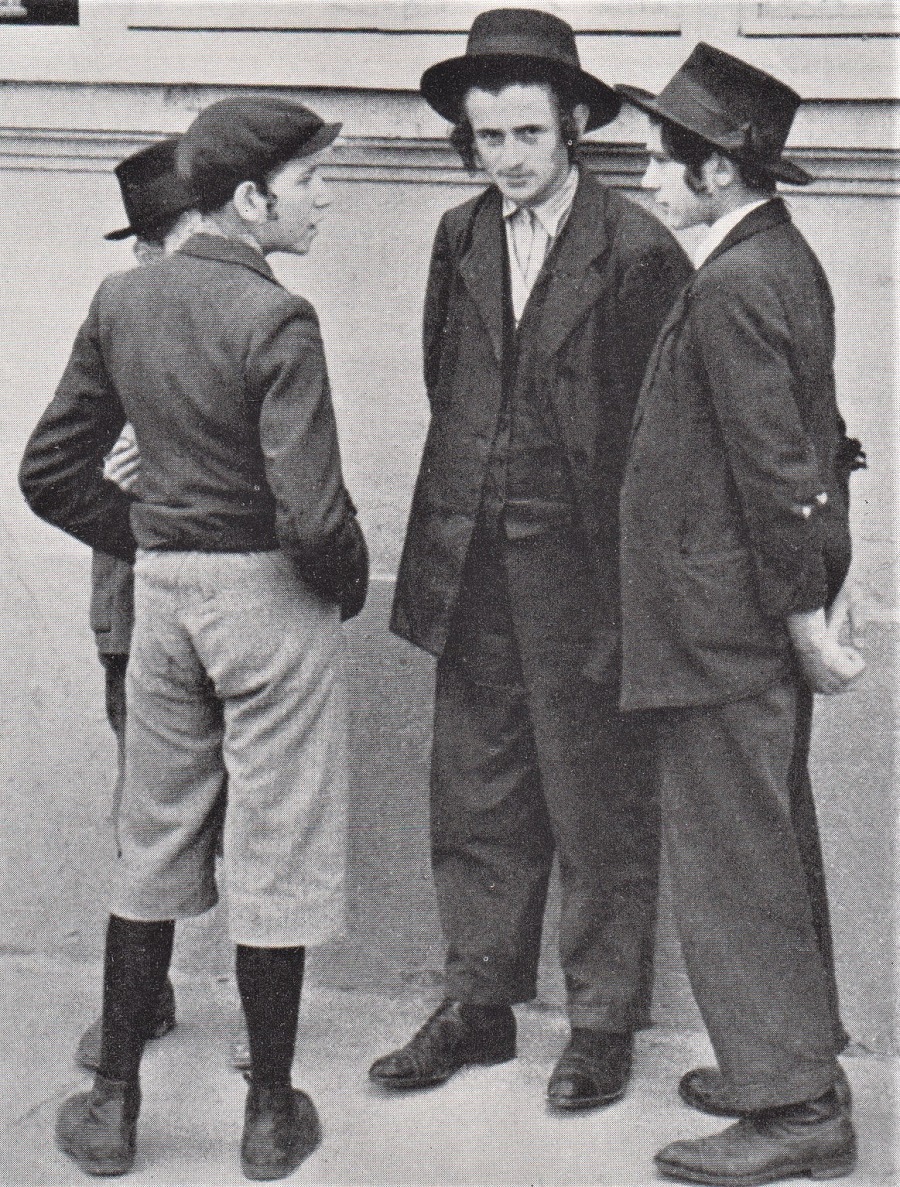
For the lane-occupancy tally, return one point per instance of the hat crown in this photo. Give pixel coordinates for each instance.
(522, 31)
(745, 103)
(245, 137)
(152, 191)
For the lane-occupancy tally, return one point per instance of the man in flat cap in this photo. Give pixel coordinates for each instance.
(248, 557)
(734, 542)
(545, 295)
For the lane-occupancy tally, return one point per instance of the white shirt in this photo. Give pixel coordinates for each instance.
(721, 227)
(548, 220)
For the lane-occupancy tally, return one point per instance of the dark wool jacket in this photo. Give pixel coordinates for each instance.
(610, 282)
(737, 431)
(222, 373)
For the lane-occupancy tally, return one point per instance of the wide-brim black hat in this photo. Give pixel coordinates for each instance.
(245, 137)
(152, 191)
(522, 35)
(733, 106)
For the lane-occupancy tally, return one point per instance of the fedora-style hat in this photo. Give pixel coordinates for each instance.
(733, 106)
(152, 191)
(242, 139)
(506, 35)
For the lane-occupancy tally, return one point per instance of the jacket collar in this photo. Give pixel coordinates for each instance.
(570, 291)
(227, 251)
(762, 218)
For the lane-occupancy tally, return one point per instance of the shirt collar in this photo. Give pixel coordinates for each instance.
(552, 212)
(721, 228)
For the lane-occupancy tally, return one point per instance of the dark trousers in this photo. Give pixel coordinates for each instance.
(806, 831)
(741, 896)
(529, 761)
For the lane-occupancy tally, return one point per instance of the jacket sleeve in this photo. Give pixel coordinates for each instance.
(61, 474)
(437, 295)
(315, 516)
(748, 355)
(646, 295)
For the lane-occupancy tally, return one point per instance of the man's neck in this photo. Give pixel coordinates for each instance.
(225, 228)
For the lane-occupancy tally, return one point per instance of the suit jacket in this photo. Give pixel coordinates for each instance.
(112, 603)
(736, 446)
(608, 285)
(222, 373)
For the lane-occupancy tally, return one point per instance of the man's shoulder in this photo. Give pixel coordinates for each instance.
(633, 228)
(457, 221)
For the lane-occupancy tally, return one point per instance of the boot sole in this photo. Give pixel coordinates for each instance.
(585, 1103)
(836, 1169)
(408, 1083)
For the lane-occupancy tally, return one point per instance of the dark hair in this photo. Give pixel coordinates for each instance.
(691, 150)
(496, 78)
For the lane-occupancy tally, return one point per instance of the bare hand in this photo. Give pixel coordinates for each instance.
(829, 664)
(122, 465)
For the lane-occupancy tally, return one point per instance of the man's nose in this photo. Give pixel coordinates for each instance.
(650, 180)
(512, 153)
(321, 191)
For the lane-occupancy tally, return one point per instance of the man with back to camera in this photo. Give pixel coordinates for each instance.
(249, 555)
(159, 209)
(545, 295)
(735, 539)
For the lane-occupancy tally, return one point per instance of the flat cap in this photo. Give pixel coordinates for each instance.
(243, 139)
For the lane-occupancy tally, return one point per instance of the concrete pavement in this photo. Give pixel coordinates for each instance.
(488, 1127)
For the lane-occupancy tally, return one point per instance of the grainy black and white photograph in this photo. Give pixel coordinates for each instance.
(448, 576)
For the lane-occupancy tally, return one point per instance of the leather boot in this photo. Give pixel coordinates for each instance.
(592, 1071)
(455, 1035)
(814, 1139)
(704, 1089)
(281, 1129)
(97, 1128)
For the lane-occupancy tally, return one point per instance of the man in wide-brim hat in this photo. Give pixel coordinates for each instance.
(735, 539)
(545, 295)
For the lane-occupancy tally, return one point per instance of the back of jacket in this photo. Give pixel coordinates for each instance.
(734, 504)
(222, 373)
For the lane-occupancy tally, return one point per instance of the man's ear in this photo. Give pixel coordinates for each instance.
(581, 114)
(250, 202)
(722, 171)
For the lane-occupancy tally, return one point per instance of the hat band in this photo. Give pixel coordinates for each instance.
(689, 103)
(514, 45)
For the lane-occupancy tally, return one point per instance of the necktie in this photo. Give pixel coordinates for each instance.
(523, 240)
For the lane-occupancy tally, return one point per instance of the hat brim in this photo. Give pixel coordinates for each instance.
(646, 101)
(444, 84)
(321, 139)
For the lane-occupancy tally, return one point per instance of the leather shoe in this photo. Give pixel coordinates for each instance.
(87, 1053)
(814, 1139)
(97, 1128)
(704, 1089)
(592, 1071)
(281, 1129)
(454, 1035)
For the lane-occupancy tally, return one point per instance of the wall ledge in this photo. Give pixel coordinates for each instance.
(859, 172)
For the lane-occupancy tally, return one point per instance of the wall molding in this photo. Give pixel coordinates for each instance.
(859, 172)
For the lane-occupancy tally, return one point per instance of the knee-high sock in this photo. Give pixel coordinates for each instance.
(135, 968)
(269, 981)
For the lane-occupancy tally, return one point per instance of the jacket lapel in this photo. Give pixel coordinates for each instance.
(482, 268)
(573, 283)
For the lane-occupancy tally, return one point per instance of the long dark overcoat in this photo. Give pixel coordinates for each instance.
(609, 285)
(734, 504)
